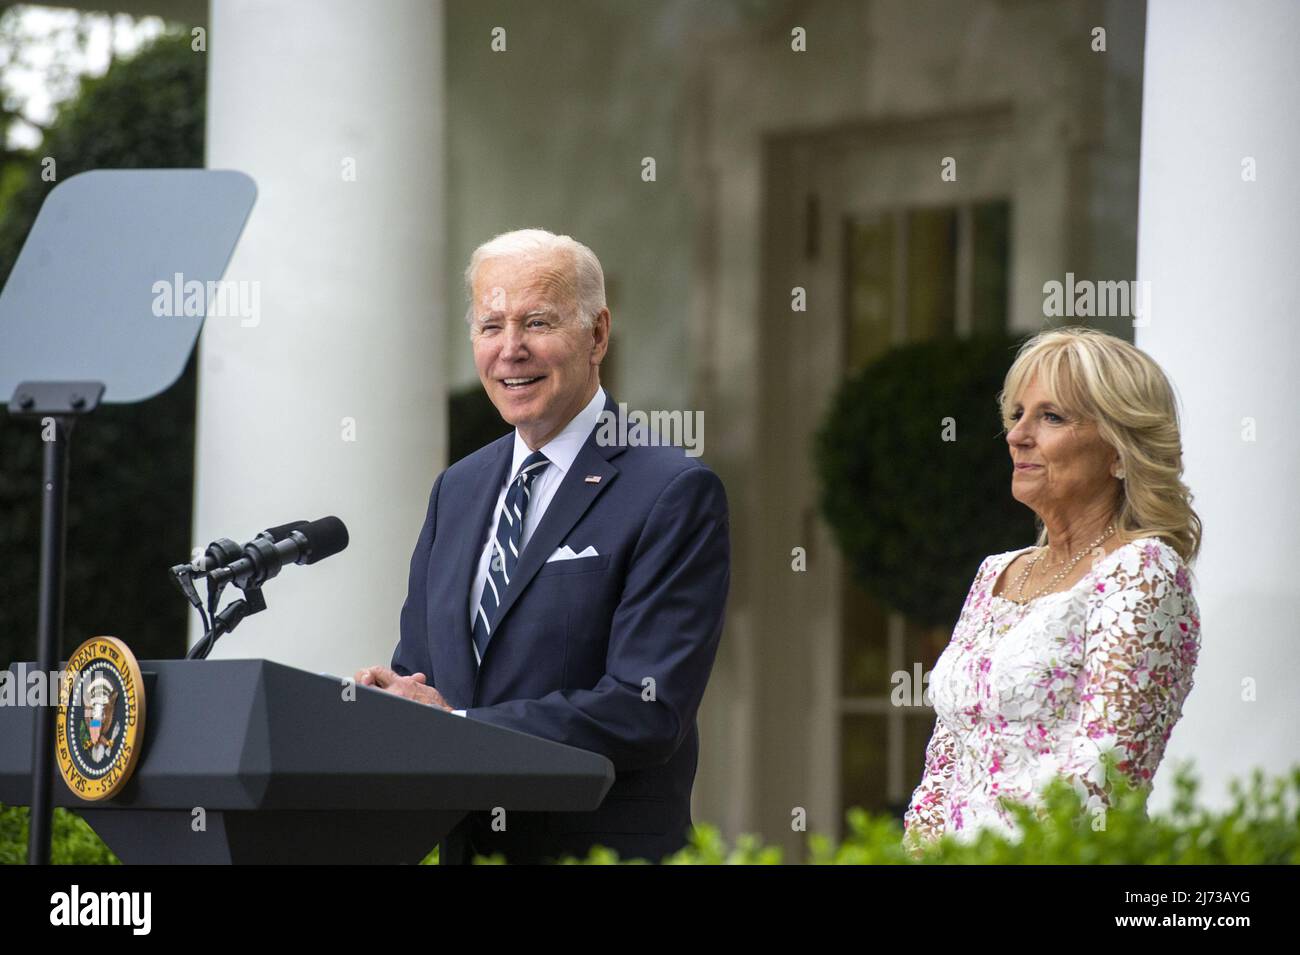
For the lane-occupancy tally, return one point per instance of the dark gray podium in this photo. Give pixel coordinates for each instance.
(288, 771)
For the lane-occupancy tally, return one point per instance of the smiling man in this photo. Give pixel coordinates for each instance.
(563, 587)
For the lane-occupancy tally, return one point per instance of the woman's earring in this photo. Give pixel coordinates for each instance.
(1119, 473)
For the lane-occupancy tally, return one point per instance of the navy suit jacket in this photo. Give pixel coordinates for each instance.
(576, 640)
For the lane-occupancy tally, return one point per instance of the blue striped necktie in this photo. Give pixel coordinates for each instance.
(505, 550)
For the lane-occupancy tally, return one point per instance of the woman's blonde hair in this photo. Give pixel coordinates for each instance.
(1100, 378)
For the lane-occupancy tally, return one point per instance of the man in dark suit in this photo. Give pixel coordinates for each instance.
(565, 584)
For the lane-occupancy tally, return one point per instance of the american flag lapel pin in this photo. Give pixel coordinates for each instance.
(592, 479)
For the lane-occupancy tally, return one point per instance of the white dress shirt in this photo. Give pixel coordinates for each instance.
(560, 451)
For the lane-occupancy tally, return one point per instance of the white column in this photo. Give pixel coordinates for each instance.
(1222, 91)
(336, 109)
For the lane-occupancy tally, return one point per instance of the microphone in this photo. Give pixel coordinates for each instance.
(220, 553)
(303, 544)
(223, 550)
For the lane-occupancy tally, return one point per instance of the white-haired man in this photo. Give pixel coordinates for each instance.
(557, 577)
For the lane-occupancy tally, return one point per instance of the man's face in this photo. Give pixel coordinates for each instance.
(537, 363)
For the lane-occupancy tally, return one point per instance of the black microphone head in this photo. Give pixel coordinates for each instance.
(325, 538)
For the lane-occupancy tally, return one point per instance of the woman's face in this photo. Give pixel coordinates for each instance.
(1061, 466)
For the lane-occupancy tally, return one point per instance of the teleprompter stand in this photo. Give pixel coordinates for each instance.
(79, 325)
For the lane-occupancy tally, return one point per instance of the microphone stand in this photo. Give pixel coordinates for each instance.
(262, 562)
(226, 621)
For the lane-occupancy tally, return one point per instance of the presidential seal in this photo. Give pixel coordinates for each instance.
(101, 718)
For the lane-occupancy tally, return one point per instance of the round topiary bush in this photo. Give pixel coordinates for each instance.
(916, 475)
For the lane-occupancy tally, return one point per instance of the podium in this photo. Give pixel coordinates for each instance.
(250, 761)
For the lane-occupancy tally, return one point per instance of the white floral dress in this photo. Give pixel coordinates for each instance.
(1024, 693)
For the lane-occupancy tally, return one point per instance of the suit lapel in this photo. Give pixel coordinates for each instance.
(487, 485)
(572, 499)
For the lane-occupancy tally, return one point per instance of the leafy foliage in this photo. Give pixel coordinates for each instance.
(72, 841)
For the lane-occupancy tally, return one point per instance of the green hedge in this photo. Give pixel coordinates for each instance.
(72, 841)
(1261, 827)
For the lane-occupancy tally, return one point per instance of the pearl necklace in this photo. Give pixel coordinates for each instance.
(1029, 567)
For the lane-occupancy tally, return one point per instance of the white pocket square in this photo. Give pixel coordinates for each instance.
(565, 552)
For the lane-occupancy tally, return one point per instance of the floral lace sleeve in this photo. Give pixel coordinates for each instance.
(1141, 643)
(926, 816)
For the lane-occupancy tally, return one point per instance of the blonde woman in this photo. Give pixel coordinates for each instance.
(1087, 641)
